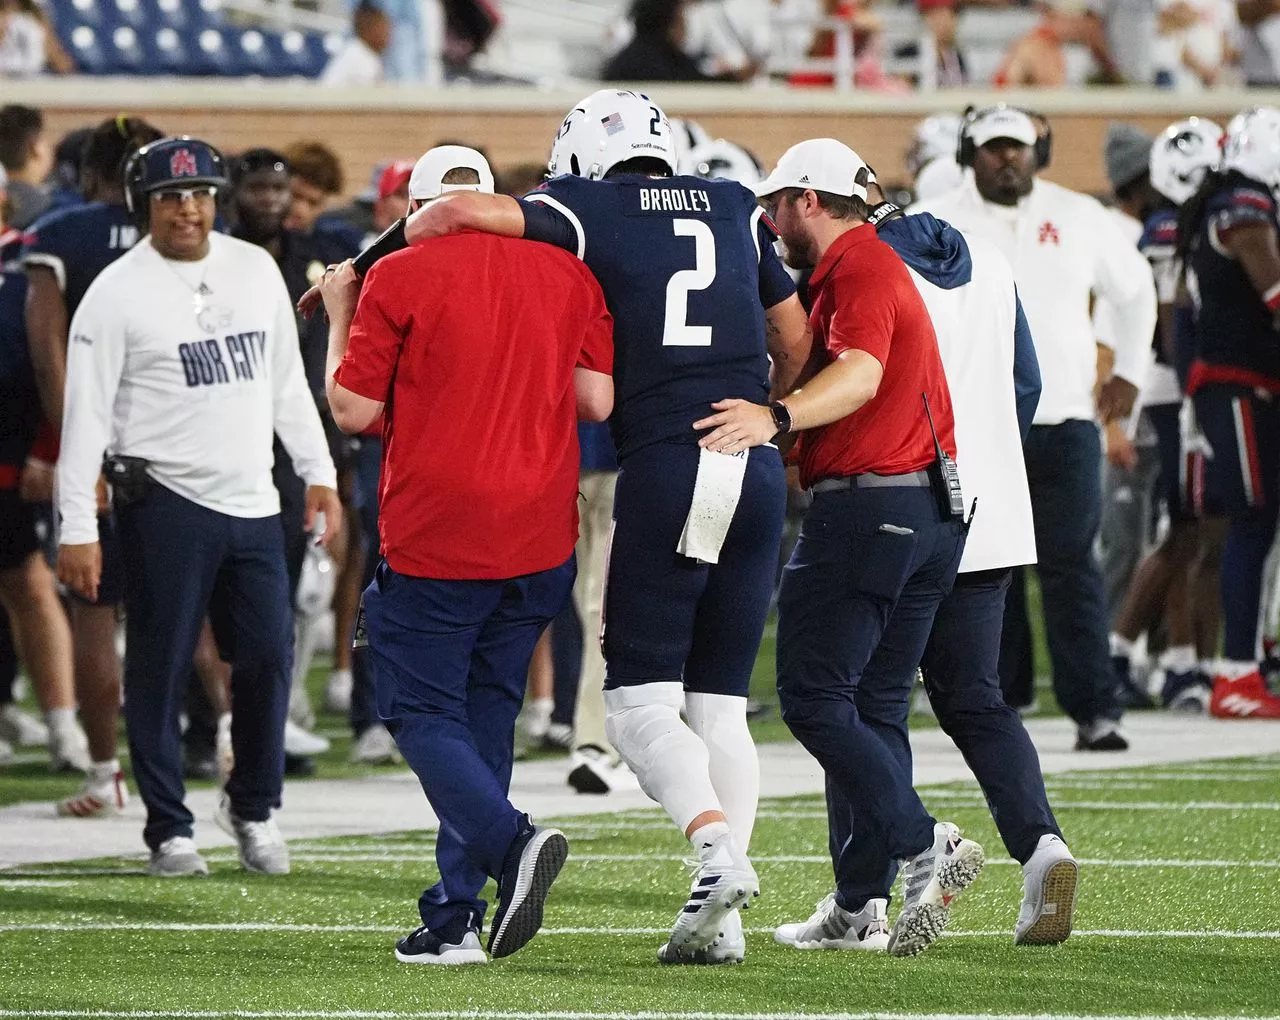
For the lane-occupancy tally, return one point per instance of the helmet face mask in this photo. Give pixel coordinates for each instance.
(607, 128)
(1182, 155)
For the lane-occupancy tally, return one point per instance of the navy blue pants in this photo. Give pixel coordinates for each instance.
(668, 617)
(856, 607)
(367, 464)
(1064, 470)
(450, 661)
(1243, 482)
(566, 661)
(962, 677)
(182, 561)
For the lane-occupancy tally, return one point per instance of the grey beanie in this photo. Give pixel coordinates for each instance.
(1127, 154)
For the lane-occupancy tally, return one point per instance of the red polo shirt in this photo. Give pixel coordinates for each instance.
(865, 300)
(472, 341)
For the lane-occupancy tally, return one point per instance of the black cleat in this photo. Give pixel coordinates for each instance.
(533, 862)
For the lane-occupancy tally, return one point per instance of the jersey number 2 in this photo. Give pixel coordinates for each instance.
(676, 332)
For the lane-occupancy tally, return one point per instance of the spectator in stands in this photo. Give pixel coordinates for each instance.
(656, 51)
(1125, 31)
(868, 71)
(359, 62)
(1193, 43)
(730, 36)
(1260, 40)
(940, 20)
(1039, 58)
(27, 158)
(22, 41)
(315, 178)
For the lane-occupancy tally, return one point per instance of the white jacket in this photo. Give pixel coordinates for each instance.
(974, 324)
(1064, 248)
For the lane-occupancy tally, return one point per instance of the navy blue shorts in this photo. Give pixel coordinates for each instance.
(668, 617)
(1243, 429)
(18, 535)
(1176, 477)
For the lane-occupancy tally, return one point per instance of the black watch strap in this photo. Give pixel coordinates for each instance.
(781, 416)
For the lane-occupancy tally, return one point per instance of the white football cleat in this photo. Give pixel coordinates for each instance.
(1048, 895)
(300, 743)
(337, 691)
(729, 947)
(262, 848)
(723, 882)
(177, 857)
(22, 729)
(830, 926)
(103, 794)
(931, 881)
(68, 748)
(376, 746)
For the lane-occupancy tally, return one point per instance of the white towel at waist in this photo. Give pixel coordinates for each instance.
(716, 492)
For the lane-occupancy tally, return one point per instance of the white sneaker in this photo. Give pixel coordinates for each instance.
(300, 743)
(68, 748)
(376, 746)
(830, 926)
(262, 848)
(1048, 895)
(177, 857)
(337, 692)
(729, 947)
(931, 881)
(103, 794)
(723, 882)
(591, 770)
(22, 728)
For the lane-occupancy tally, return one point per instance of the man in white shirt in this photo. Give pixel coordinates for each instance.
(183, 361)
(1064, 248)
(359, 62)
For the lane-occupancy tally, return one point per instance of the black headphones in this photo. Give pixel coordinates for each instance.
(1044, 135)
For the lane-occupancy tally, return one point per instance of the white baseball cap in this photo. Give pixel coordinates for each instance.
(428, 172)
(822, 164)
(1002, 122)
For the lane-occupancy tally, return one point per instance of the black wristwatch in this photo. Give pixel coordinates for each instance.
(781, 416)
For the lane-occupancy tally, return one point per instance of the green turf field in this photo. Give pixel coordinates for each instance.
(1179, 915)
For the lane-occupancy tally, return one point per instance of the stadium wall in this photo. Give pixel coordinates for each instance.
(516, 125)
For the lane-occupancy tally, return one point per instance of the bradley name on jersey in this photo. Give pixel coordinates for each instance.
(692, 200)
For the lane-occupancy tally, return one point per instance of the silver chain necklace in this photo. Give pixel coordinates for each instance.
(199, 293)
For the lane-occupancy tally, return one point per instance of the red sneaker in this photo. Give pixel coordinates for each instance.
(1245, 698)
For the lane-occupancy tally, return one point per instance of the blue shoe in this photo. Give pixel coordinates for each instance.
(1186, 692)
(445, 947)
(532, 864)
(1129, 692)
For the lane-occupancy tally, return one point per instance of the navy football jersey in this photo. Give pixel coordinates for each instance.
(78, 244)
(1233, 328)
(19, 401)
(1159, 244)
(687, 267)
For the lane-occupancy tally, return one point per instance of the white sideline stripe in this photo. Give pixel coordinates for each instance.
(342, 857)
(39, 883)
(61, 926)
(965, 800)
(440, 1014)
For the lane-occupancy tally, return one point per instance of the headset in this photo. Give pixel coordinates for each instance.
(151, 168)
(1044, 134)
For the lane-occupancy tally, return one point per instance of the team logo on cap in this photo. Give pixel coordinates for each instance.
(183, 164)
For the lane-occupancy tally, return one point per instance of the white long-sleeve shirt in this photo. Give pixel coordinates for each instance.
(1064, 247)
(194, 383)
(975, 328)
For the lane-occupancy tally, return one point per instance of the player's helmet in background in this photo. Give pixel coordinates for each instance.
(607, 128)
(933, 138)
(1183, 153)
(171, 162)
(1253, 147)
(722, 160)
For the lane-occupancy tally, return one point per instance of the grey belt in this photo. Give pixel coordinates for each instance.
(871, 480)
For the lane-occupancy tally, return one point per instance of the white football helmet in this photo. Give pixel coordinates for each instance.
(722, 160)
(608, 128)
(1181, 156)
(933, 138)
(1253, 148)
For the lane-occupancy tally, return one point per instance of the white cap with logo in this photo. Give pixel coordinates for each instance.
(822, 164)
(1002, 122)
(425, 183)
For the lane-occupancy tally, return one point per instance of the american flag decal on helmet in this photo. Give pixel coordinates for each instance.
(183, 164)
(612, 123)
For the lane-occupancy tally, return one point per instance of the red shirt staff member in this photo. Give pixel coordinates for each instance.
(880, 546)
(484, 352)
